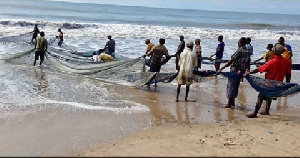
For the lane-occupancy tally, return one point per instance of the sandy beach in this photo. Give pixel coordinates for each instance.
(202, 128)
(275, 135)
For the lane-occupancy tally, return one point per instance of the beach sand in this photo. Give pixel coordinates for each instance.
(274, 135)
(202, 128)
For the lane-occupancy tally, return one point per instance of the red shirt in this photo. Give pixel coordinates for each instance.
(276, 68)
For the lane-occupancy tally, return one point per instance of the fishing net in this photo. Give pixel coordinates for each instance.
(272, 88)
(269, 88)
(19, 39)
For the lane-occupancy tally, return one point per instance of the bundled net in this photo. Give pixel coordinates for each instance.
(269, 88)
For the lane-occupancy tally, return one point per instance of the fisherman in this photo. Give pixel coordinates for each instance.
(275, 69)
(249, 46)
(239, 62)
(219, 53)
(60, 36)
(187, 63)
(110, 46)
(40, 48)
(288, 54)
(157, 53)
(95, 57)
(35, 33)
(103, 57)
(180, 49)
(148, 49)
(198, 52)
(268, 55)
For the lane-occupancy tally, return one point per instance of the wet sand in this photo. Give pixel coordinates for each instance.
(275, 135)
(202, 128)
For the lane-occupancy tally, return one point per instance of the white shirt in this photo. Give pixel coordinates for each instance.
(187, 63)
(96, 58)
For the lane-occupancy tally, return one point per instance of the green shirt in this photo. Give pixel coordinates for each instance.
(41, 44)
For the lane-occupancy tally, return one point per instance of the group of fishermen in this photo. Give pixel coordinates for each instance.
(277, 66)
(41, 46)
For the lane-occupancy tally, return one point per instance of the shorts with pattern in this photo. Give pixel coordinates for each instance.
(233, 87)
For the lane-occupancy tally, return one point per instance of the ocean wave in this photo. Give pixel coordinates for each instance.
(100, 30)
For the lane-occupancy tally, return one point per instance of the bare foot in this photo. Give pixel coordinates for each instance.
(265, 113)
(251, 115)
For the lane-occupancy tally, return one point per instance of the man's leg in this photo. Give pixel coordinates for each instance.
(257, 107)
(267, 111)
(231, 102)
(36, 57)
(42, 57)
(217, 66)
(288, 78)
(178, 91)
(187, 92)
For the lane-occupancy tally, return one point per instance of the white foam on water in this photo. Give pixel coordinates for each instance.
(136, 108)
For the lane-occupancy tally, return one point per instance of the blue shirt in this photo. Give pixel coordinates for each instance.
(249, 49)
(288, 47)
(220, 50)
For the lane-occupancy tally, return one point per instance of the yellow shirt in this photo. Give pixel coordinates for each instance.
(41, 44)
(105, 57)
(286, 54)
(268, 55)
(149, 47)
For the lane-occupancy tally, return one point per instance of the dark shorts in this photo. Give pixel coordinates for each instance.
(39, 54)
(154, 69)
(199, 62)
(233, 87)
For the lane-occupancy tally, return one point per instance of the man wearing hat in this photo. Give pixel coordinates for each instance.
(110, 45)
(180, 49)
(275, 69)
(187, 63)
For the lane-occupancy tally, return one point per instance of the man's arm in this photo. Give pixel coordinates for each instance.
(250, 72)
(257, 60)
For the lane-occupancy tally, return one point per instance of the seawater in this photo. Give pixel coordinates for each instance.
(86, 25)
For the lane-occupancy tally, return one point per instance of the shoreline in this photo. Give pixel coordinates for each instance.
(273, 135)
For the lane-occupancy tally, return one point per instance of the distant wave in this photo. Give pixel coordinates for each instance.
(100, 30)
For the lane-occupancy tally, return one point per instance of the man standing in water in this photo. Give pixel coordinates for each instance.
(219, 53)
(110, 45)
(60, 37)
(148, 49)
(40, 48)
(187, 63)
(275, 69)
(240, 61)
(180, 49)
(157, 53)
(35, 33)
(288, 54)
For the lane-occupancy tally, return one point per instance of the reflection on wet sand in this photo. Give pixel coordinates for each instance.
(42, 84)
